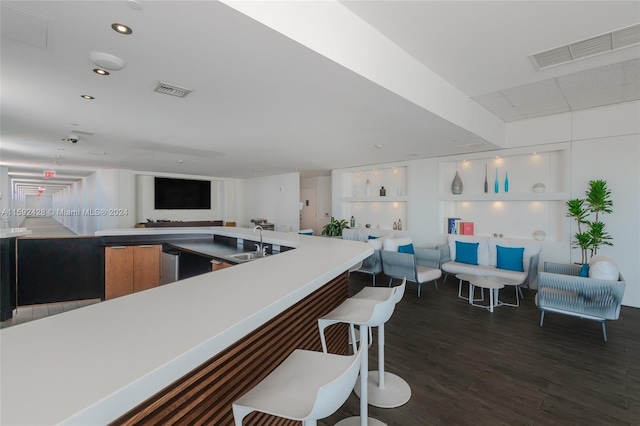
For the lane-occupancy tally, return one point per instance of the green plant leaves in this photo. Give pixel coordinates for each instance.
(334, 227)
(598, 200)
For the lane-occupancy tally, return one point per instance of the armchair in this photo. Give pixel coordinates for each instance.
(562, 291)
(420, 267)
(372, 265)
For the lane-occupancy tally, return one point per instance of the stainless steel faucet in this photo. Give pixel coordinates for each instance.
(261, 248)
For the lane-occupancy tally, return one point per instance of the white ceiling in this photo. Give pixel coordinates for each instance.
(264, 104)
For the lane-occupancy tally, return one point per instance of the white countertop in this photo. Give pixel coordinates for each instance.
(91, 365)
(14, 232)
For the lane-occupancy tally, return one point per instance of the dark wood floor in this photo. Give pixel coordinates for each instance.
(467, 366)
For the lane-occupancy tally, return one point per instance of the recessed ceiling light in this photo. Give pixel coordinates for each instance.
(87, 97)
(100, 71)
(121, 28)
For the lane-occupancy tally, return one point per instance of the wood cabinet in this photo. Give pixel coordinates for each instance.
(216, 265)
(131, 268)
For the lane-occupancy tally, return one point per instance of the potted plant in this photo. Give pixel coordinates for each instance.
(597, 201)
(334, 227)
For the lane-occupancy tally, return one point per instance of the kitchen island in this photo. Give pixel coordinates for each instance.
(178, 353)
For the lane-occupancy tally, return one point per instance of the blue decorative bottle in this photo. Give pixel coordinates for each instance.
(496, 185)
(506, 181)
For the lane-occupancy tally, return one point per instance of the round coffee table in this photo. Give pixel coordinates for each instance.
(516, 285)
(468, 278)
(493, 284)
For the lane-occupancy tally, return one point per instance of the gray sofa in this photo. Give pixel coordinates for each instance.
(562, 291)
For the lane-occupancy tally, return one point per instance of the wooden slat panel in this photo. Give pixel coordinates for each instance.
(204, 396)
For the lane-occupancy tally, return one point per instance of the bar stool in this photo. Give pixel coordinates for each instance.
(384, 389)
(364, 313)
(307, 386)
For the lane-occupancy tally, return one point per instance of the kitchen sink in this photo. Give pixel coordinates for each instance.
(245, 257)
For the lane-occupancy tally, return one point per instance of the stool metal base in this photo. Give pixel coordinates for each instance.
(355, 421)
(396, 391)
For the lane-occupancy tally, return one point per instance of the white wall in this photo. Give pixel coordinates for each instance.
(126, 195)
(322, 185)
(616, 160)
(605, 144)
(144, 195)
(5, 197)
(275, 198)
(34, 202)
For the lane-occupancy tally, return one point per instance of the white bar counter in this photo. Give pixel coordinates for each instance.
(91, 365)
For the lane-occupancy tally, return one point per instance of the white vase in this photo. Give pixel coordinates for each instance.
(456, 185)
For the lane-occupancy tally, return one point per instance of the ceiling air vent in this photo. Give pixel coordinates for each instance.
(169, 89)
(604, 43)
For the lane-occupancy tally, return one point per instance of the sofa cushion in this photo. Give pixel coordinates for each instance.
(392, 244)
(603, 268)
(510, 258)
(467, 252)
(408, 248)
(426, 274)
(376, 243)
(483, 248)
(454, 268)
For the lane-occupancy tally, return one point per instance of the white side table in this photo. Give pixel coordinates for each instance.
(468, 278)
(493, 284)
(516, 286)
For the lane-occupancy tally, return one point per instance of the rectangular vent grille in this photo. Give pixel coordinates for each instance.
(618, 39)
(169, 89)
(472, 145)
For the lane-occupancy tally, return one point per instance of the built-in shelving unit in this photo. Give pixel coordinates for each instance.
(361, 198)
(539, 180)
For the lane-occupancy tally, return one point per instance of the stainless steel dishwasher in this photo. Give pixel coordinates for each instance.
(170, 266)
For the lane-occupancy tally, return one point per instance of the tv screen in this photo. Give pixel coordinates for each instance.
(173, 194)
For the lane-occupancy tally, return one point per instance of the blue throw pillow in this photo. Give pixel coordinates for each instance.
(584, 271)
(467, 252)
(406, 249)
(510, 258)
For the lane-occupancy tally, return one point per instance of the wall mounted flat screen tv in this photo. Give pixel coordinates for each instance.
(184, 194)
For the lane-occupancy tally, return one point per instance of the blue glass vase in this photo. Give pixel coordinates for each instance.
(506, 181)
(496, 185)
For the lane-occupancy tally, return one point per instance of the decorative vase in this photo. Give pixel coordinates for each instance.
(506, 181)
(496, 185)
(367, 189)
(486, 179)
(456, 185)
(383, 192)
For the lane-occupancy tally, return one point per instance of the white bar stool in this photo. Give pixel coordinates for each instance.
(364, 313)
(384, 389)
(307, 386)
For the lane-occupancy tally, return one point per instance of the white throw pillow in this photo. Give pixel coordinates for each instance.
(603, 268)
(392, 244)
